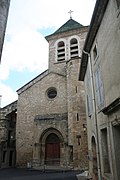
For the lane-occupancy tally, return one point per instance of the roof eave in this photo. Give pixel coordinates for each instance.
(54, 35)
(32, 82)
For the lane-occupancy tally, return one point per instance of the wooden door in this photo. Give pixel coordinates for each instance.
(52, 150)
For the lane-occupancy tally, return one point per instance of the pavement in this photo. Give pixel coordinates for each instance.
(32, 174)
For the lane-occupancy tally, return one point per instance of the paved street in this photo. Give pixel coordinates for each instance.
(26, 174)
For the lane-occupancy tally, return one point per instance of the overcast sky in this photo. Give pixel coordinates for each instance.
(25, 50)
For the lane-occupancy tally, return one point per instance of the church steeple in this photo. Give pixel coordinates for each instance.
(65, 44)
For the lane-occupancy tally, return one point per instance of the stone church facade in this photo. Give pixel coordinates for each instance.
(51, 120)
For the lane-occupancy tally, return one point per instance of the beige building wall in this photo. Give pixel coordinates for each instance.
(76, 114)
(103, 120)
(35, 102)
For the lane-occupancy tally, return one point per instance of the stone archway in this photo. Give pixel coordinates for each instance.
(94, 160)
(52, 149)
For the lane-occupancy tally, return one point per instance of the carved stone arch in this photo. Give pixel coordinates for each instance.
(48, 131)
(51, 149)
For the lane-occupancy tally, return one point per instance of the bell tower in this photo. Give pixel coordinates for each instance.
(65, 48)
(64, 44)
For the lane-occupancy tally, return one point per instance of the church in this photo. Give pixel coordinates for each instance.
(51, 118)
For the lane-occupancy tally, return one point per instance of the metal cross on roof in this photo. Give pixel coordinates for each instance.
(70, 14)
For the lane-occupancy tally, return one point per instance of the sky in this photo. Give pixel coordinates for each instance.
(25, 49)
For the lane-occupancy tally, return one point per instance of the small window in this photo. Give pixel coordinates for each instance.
(76, 89)
(77, 117)
(51, 93)
(95, 52)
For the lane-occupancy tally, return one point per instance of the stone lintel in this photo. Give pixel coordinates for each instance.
(63, 116)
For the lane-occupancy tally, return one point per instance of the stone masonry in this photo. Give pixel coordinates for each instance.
(51, 120)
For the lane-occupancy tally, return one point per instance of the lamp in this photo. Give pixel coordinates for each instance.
(84, 127)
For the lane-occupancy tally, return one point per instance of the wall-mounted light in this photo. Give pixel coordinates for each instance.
(11, 137)
(78, 137)
(84, 127)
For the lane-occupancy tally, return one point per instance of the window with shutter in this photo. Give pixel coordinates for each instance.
(99, 88)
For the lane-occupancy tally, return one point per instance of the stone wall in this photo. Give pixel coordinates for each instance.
(76, 115)
(38, 114)
(33, 102)
(7, 134)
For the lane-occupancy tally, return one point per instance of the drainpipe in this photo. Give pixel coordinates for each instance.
(95, 113)
(0, 152)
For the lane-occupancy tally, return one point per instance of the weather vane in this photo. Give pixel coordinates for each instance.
(70, 14)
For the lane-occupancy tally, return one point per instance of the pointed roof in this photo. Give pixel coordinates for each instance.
(69, 25)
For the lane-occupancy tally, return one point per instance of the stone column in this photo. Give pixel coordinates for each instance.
(36, 155)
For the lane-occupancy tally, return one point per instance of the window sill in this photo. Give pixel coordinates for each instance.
(58, 62)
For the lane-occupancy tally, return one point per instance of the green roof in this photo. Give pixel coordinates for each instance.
(69, 25)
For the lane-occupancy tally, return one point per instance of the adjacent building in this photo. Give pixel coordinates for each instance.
(4, 8)
(8, 116)
(100, 71)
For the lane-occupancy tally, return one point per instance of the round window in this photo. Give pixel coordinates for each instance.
(51, 93)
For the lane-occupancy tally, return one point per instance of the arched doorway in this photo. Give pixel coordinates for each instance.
(95, 167)
(52, 149)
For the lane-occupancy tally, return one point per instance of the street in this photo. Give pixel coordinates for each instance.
(26, 174)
